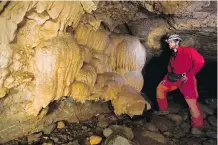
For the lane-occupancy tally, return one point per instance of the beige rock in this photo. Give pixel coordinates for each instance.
(151, 127)
(60, 125)
(134, 79)
(95, 140)
(132, 100)
(98, 41)
(28, 35)
(56, 9)
(89, 6)
(48, 30)
(44, 63)
(157, 136)
(123, 131)
(34, 137)
(87, 75)
(60, 67)
(175, 117)
(117, 140)
(18, 12)
(3, 92)
(7, 30)
(75, 15)
(128, 60)
(79, 91)
(82, 34)
(47, 144)
(49, 129)
(107, 132)
(2, 4)
(40, 18)
(86, 54)
(65, 15)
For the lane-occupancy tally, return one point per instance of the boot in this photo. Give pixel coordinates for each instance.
(197, 131)
(197, 125)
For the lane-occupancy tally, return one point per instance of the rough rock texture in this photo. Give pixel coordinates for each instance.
(195, 21)
(65, 110)
(49, 50)
(113, 13)
(126, 131)
(53, 49)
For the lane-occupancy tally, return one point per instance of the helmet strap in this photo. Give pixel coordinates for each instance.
(176, 46)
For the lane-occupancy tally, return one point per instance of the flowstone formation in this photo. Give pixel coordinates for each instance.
(49, 50)
(81, 55)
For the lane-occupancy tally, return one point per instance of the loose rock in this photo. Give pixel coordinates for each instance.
(117, 140)
(212, 134)
(210, 142)
(208, 110)
(212, 120)
(34, 137)
(95, 140)
(47, 144)
(167, 134)
(49, 129)
(107, 132)
(196, 131)
(212, 102)
(175, 118)
(179, 132)
(157, 136)
(185, 126)
(121, 130)
(60, 125)
(162, 123)
(103, 124)
(151, 127)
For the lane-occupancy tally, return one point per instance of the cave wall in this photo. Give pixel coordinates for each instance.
(53, 49)
(78, 49)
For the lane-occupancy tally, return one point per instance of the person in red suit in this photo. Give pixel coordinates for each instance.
(184, 64)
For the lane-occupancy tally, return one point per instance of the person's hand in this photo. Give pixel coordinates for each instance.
(162, 82)
(184, 77)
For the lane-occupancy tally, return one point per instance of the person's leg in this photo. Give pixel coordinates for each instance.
(189, 90)
(196, 117)
(162, 89)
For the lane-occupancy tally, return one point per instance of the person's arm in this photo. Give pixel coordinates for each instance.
(197, 62)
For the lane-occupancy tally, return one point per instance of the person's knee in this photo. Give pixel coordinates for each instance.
(161, 89)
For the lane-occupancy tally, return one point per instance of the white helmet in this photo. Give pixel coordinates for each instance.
(173, 37)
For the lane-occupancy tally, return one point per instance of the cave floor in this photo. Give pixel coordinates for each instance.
(173, 129)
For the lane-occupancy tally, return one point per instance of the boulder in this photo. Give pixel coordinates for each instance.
(162, 123)
(122, 131)
(156, 136)
(175, 118)
(212, 120)
(117, 140)
(151, 127)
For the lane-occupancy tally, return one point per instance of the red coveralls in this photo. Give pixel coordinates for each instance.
(188, 61)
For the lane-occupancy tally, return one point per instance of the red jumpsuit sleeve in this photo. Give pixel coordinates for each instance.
(197, 62)
(165, 77)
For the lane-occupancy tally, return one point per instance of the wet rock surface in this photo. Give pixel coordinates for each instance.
(122, 130)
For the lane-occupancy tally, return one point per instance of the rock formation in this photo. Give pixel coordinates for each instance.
(51, 50)
(41, 61)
